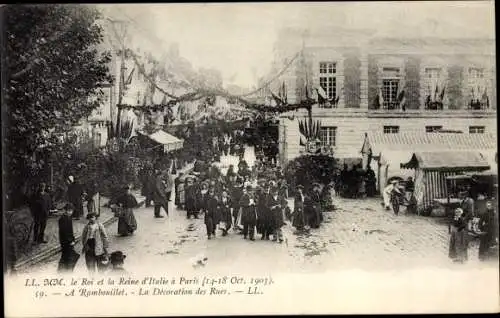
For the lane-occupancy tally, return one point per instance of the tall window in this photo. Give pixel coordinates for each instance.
(390, 87)
(430, 129)
(477, 89)
(476, 129)
(434, 86)
(391, 129)
(328, 136)
(328, 82)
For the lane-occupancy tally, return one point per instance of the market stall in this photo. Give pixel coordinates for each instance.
(384, 152)
(432, 170)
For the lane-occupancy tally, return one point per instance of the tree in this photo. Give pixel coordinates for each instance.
(54, 72)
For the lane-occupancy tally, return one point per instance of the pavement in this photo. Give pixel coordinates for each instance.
(36, 253)
(360, 234)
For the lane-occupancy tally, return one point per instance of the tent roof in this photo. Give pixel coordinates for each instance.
(459, 160)
(163, 138)
(377, 142)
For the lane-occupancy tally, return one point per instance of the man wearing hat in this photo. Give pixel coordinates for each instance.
(248, 215)
(202, 198)
(160, 193)
(75, 197)
(211, 212)
(117, 260)
(191, 191)
(236, 194)
(67, 240)
(264, 218)
(276, 204)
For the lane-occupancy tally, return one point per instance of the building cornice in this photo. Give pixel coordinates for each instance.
(364, 113)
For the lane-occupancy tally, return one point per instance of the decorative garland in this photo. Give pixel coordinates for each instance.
(307, 104)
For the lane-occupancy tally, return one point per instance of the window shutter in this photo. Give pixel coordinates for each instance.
(372, 82)
(412, 80)
(352, 82)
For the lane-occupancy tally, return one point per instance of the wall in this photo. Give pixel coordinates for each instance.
(352, 125)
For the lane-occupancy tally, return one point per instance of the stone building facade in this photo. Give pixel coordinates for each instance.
(383, 85)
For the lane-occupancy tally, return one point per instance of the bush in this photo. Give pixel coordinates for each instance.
(308, 169)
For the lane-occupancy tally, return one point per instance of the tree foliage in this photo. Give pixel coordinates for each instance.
(54, 70)
(307, 169)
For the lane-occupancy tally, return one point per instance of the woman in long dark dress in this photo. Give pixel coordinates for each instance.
(298, 218)
(127, 223)
(458, 237)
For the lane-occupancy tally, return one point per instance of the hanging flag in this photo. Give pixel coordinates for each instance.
(485, 99)
(164, 100)
(302, 140)
(284, 94)
(380, 97)
(321, 92)
(277, 99)
(401, 98)
(337, 99)
(441, 96)
(436, 91)
(321, 99)
(428, 101)
(129, 78)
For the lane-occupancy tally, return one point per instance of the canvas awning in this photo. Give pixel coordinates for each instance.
(394, 158)
(168, 141)
(376, 143)
(449, 160)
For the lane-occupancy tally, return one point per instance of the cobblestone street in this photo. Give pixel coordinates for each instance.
(358, 235)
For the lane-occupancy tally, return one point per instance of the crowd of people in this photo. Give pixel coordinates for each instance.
(355, 182)
(248, 200)
(475, 218)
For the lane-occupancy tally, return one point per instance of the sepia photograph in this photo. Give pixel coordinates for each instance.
(249, 158)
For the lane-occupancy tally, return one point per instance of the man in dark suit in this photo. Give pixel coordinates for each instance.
(248, 215)
(67, 240)
(43, 203)
(160, 198)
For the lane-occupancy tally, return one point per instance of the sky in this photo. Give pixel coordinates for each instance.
(238, 38)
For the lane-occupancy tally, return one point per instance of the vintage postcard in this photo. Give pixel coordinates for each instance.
(249, 158)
